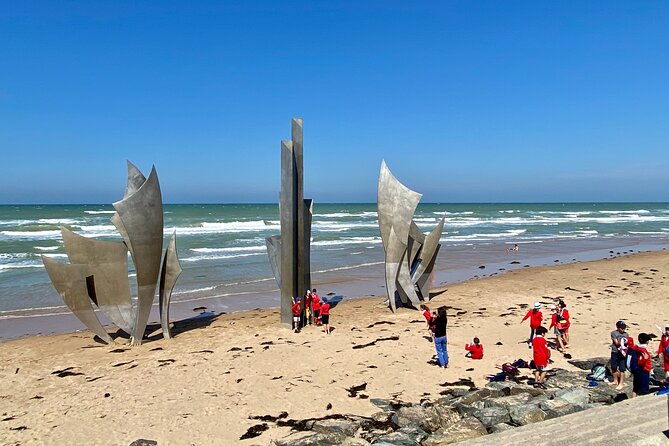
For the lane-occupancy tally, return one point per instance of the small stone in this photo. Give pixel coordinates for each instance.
(143, 442)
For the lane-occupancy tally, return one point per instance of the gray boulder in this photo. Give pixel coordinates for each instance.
(311, 440)
(558, 407)
(428, 419)
(502, 427)
(526, 414)
(588, 364)
(508, 401)
(406, 436)
(355, 442)
(491, 416)
(344, 427)
(503, 387)
(577, 396)
(469, 409)
(468, 427)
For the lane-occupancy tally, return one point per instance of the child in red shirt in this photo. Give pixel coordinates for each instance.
(428, 319)
(316, 307)
(475, 350)
(325, 316)
(536, 318)
(662, 350)
(297, 310)
(541, 355)
(641, 383)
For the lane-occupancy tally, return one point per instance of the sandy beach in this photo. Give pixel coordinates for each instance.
(203, 386)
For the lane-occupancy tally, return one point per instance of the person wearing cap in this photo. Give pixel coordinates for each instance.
(663, 350)
(536, 318)
(618, 354)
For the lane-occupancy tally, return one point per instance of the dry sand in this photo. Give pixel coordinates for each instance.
(202, 386)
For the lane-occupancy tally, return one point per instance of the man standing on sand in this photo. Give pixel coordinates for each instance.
(619, 354)
(325, 316)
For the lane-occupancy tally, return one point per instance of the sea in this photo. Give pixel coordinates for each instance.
(224, 259)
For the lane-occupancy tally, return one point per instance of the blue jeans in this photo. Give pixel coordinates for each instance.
(442, 352)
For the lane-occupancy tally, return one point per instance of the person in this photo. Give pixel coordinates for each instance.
(428, 319)
(541, 355)
(663, 350)
(536, 318)
(475, 350)
(316, 307)
(618, 354)
(440, 343)
(325, 316)
(296, 314)
(307, 307)
(515, 248)
(563, 319)
(641, 379)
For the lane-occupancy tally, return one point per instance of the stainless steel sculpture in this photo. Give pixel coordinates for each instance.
(98, 270)
(289, 254)
(409, 254)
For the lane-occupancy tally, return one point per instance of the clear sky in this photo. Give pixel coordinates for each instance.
(466, 100)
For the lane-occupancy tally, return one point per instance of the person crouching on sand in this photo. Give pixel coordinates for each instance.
(325, 316)
(541, 355)
(440, 343)
(475, 350)
(536, 318)
(297, 310)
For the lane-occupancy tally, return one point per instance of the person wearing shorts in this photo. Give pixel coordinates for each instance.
(663, 351)
(541, 354)
(641, 380)
(618, 354)
(297, 311)
(325, 316)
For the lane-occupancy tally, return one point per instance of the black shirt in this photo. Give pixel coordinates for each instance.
(440, 326)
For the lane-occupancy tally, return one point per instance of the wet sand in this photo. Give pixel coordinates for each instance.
(203, 386)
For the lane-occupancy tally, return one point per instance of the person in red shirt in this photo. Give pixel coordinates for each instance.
(563, 321)
(297, 310)
(325, 316)
(316, 307)
(641, 383)
(428, 318)
(541, 355)
(536, 318)
(475, 350)
(663, 350)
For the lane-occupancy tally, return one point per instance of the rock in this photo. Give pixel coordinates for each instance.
(469, 409)
(311, 440)
(503, 387)
(382, 417)
(603, 394)
(468, 427)
(343, 427)
(508, 401)
(143, 442)
(526, 414)
(557, 407)
(588, 364)
(428, 419)
(520, 389)
(501, 427)
(406, 436)
(564, 378)
(478, 395)
(385, 405)
(577, 396)
(491, 416)
(355, 442)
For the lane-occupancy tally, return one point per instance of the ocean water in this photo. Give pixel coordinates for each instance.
(222, 247)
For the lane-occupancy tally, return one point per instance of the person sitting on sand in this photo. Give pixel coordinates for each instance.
(641, 378)
(428, 319)
(663, 350)
(440, 343)
(618, 354)
(325, 316)
(316, 307)
(541, 355)
(536, 318)
(297, 310)
(475, 350)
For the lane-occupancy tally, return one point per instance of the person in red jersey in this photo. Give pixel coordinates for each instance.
(316, 307)
(297, 310)
(535, 317)
(428, 318)
(563, 321)
(641, 380)
(475, 350)
(663, 351)
(541, 355)
(325, 316)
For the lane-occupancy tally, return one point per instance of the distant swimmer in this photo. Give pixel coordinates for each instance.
(515, 248)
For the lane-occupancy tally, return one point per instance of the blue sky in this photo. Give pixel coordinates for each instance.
(467, 101)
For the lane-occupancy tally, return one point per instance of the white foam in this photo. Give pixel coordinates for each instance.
(231, 249)
(218, 257)
(58, 221)
(341, 268)
(348, 241)
(47, 248)
(104, 212)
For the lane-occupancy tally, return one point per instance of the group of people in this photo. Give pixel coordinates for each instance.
(310, 309)
(559, 323)
(626, 355)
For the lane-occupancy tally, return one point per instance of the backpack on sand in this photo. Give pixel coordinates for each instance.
(597, 373)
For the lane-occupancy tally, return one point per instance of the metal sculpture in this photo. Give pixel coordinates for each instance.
(98, 270)
(410, 255)
(289, 254)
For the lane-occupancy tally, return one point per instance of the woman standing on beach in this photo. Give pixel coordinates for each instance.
(440, 343)
(536, 318)
(563, 321)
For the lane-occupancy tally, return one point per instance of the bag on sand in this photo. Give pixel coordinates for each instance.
(597, 373)
(510, 369)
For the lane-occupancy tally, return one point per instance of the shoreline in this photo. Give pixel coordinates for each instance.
(480, 261)
(218, 371)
